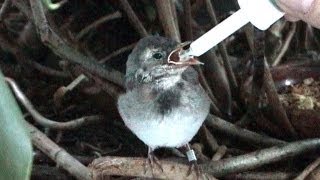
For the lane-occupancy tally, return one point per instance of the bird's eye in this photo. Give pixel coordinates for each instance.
(157, 55)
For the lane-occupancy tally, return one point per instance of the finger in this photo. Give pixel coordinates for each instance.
(296, 6)
(291, 18)
(306, 10)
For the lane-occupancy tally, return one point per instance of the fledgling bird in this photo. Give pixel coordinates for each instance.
(164, 104)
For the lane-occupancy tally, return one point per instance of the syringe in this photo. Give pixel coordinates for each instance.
(261, 13)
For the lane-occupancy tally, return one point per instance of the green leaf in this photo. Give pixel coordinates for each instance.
(15, 144)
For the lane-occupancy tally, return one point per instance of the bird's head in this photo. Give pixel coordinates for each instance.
(148, 63)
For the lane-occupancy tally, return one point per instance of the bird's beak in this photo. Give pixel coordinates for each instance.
(176, 58)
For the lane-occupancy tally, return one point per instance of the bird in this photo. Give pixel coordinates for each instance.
(164, 104)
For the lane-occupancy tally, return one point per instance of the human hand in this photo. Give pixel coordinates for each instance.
(306, 10)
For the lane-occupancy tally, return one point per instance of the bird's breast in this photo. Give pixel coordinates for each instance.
(169, 120)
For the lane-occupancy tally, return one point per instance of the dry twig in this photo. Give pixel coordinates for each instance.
(60, 47)
(241, 134)
(117, 52)
(23, 6)
(57, 154)
(96, 23)
(209, 139)
(121, 166)
(222, 150)
(258, 158)
(133, 18)
(285, 45)
(168, 18)
(274, 101)
(187, 19)
(73, 124)
(261, 176)
(223, 51)
(308, 170)
(4, 8)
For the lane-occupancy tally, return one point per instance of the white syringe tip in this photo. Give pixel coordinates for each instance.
(261, 13)
(218, 33)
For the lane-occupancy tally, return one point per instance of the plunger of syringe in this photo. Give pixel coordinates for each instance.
(261, 13)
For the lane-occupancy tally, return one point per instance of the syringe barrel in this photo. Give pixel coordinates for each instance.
(218, 33)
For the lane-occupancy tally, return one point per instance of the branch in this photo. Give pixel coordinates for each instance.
(57, 154)
(4, 8)
(23, 6)
(96, 23)
(262, 176)
(258, 158)
(242, 134)
(304, 174)
(120, 166)
(223, 51)
(133, 18)
(117, 52)
(73, 124)
(274, 101)
(168, 18)
(285, 45)
(61, 48)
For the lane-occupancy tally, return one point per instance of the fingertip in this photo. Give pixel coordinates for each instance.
(300, 6)
(291, 18)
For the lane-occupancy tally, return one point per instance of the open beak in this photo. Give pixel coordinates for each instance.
(176, 58)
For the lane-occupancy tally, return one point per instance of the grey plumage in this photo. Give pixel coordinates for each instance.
(164, 104)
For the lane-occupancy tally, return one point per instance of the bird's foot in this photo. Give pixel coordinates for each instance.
(193, 166)
(152, 161)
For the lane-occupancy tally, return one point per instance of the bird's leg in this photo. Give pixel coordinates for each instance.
(152, 160)
(192, 161)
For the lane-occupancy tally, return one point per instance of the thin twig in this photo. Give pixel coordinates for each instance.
(315, 174)
(187, 19)
(133, 18)
(222, 150)
(46, 70)
(60, 92)
(4, 8)
(274, 101)
(285, 45)
(121, 166)
(117, 52)
(168, 18)
(215, 76)
(189, 36)
(308, 170)
(206, 86)
(57, 154)
(61, 48)
(111, 89)
(241, 134)
(256, 159)
(223, 51)
(96, 23)
(261, 176)
(23, 6)
(210, 140)
(198, 149)
(23, 58)
(73, 124)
